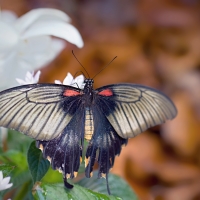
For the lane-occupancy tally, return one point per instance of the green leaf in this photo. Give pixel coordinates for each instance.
(44, 191)
(20, 172)
(56, 177)
(37, 164)
(20, 177)
(18, 141)
(15, 157)
(6, 169)
(118, 187)
(24, 191)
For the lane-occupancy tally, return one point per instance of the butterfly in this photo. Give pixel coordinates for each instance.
(60, 117)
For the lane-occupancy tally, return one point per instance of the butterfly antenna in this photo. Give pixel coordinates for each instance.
(108, 189)
(81, 73)
(80, 63)
(76, 74)
(105, 66)
(75, 84)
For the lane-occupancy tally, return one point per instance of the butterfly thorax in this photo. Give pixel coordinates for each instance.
(88, 92)
(88, 88)
(88, 98)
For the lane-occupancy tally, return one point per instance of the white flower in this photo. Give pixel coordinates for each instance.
(26, 43)
(3, 135)
(4, 182)
(30, 78)
(69, 80)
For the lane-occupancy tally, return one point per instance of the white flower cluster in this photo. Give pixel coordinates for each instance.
(4, 182)
(26, 43)
(69, 80)
(30, 78)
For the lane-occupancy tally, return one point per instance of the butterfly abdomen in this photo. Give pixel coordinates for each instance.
(89, 123)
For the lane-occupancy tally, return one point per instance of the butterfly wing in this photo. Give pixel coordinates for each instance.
(40, 111)
(131, 109)
(65, 152)
(106, 142)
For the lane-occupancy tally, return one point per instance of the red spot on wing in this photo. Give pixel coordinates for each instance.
(69, 93)
(106, 92)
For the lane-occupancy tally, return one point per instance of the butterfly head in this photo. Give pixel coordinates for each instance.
(89, 82)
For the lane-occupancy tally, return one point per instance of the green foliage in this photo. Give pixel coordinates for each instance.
(57, 191)
(37, 164)
(52, 176)
(118, 187)
(16, 156)
(18, 141)
(6, 169)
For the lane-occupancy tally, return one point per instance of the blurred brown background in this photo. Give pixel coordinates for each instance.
(157, 43)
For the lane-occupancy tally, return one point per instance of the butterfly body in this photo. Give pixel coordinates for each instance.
(60, 117)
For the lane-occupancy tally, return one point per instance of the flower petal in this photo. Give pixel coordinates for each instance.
(1, 187)
(79, 79)
(38, 14)
(9, 38)
(3, 137)
(1, 176)
(8, 16)
(68, 79)
(20, 81)
(39, 51)
(5, 180)
(4, 187)
(8, 186)
(37, 76)
(10, 69)
(29, 76)
(57, 82)
(4, 132)
(55, 28)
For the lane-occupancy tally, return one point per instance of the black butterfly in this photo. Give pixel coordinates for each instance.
(59, 117)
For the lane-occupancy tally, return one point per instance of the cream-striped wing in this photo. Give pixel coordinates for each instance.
(40, 111)
(131, 109)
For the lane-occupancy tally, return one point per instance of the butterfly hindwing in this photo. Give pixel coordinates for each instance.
(65, 152)
(40, 111)
(131, 109)
(106, 142)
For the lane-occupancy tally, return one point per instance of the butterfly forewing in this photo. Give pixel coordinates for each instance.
(40, 111)
(132, 109)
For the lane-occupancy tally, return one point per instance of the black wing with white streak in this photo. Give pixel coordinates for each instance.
(40, 111)
(131, 109)
(65, 152)
(106, 142)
